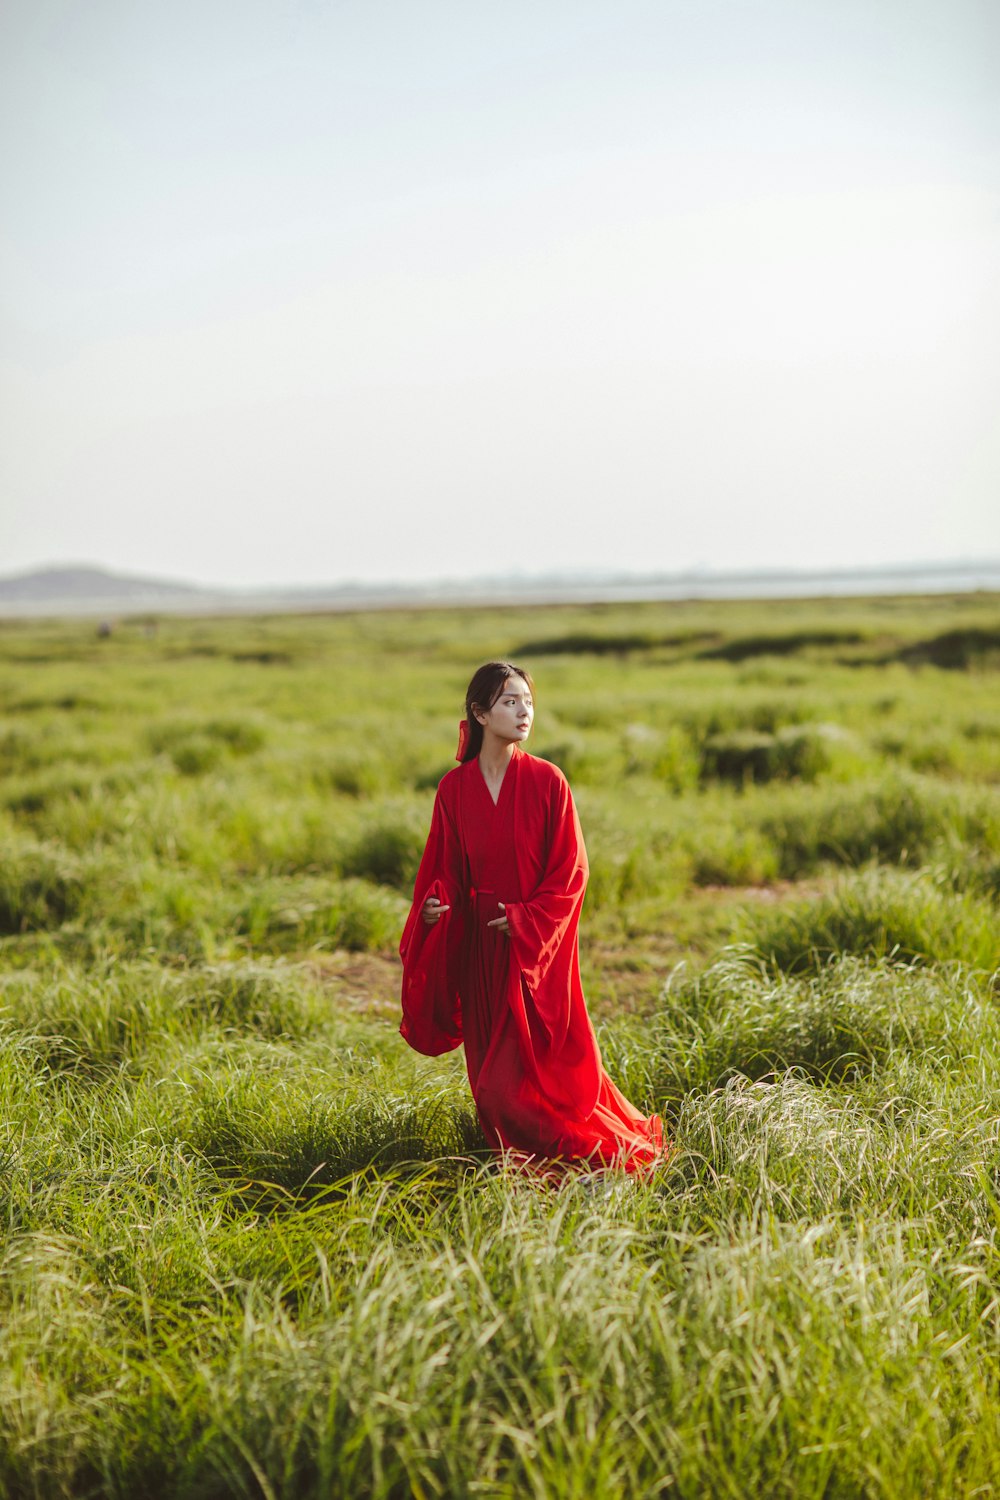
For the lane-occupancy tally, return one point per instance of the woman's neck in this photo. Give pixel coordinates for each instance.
(495, 756)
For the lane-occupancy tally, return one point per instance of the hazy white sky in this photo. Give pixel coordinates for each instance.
(312, 290)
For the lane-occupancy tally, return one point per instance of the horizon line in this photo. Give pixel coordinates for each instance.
(693, 573)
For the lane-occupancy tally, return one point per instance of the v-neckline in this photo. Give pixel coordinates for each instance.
(503, 780)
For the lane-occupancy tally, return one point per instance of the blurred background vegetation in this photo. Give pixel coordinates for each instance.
(214, 789)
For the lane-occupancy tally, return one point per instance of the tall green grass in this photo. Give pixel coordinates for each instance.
(251, 1245)
(434, 1338)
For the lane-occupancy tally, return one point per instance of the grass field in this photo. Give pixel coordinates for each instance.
(253, 1246)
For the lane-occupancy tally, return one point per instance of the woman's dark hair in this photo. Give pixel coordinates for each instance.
(483, 691)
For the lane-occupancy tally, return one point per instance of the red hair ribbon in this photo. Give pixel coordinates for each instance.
(463, 739)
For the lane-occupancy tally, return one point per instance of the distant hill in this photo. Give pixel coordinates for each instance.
(65, 590)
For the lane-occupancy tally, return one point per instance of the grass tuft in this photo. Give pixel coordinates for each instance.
(884, 914)
(41, 885)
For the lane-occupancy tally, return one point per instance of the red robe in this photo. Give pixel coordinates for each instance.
(517, 1002)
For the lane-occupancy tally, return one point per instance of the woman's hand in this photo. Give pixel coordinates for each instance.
(432, 911)
(500, 923)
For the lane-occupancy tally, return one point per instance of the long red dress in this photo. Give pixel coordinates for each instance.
(516, 1001)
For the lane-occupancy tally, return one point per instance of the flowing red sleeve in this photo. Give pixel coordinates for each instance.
(544, 927)
(432, 1021)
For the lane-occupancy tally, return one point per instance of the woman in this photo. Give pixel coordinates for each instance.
(490, 952)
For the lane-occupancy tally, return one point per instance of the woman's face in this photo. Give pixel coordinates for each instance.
(511, 716)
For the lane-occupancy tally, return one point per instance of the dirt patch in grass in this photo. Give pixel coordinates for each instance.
(365, 983)
(773, 891)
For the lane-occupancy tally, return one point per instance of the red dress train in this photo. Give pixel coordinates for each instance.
(534, 1065)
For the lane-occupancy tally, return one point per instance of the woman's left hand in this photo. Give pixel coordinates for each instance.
(500, 923)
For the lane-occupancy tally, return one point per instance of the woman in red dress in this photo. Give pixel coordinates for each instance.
(490, 951)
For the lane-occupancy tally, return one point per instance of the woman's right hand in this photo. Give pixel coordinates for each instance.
(433, 911)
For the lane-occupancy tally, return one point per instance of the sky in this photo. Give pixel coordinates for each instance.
(318, 291)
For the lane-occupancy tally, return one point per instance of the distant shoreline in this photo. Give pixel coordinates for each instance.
(93, 592)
